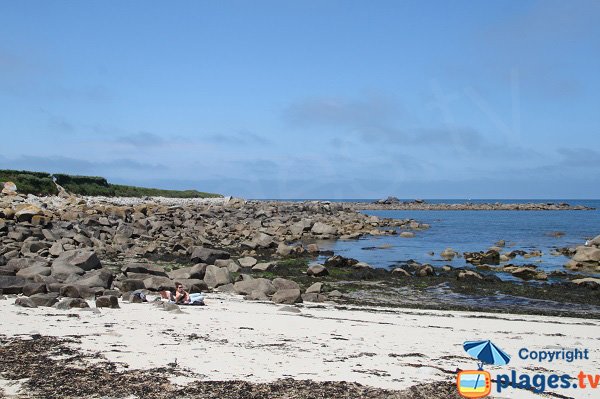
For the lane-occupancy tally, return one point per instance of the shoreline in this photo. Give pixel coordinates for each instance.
(232, 339)
(417, 205)
(212, 244)
(467, 206)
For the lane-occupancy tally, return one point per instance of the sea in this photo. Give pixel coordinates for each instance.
(468, 231)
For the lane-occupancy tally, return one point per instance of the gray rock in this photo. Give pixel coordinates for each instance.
(259, 284)
(61, 271)
(116, 293)
(316, 288)
(107, 301)
(194, 272)
(157, 283)
(490, 257)
(208, 255)
(216, 276)
(54, 287)
(249, 244)
(131, 285)
(468, 275)
(12, 284)
(287, 296)
(97, 278)
(317, 270)
(234, 267)
(256, 295)
(72, 279)
(139, 276)
(448, 254)
(6, 271)
(247, 261)
(25, 302)
(283, 249)
(33, 246)
(263, 240)
(84, 259)
(34, 288)
(335, 294)
(193, 285)
(324, 229)
(30, 272)
(224, 262)
(586, 254)
(56, 249)
(525, 273)
(424, 271)
(298, 228)
(263, 266)
(312, 249)
(400, 272)
(144, 268)
(76, 291)
(285, 284)
(340, 261)
(590, 282)
(17, 264)
(314, 297)
(26, 213)
(46, 300)
(71, 303)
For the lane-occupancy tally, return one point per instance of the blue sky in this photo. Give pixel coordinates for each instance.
(311, 99)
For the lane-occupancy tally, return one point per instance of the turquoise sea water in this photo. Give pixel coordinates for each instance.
(475, 231)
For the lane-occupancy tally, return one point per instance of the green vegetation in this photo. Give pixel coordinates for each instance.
(301, 263)
(340, 273)
(269, 275)
(41, 183)
(38, 183)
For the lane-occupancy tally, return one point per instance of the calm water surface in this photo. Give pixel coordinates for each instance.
(475, 231)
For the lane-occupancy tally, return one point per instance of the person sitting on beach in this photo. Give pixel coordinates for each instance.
(184, 298)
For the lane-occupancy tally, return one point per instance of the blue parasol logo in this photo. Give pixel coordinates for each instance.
(477, 384)
(487, 353)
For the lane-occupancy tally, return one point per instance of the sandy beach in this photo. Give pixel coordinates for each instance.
(233, 339)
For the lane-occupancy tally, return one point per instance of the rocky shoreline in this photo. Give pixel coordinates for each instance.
(87, 247)
(63, 250)
(392, 203)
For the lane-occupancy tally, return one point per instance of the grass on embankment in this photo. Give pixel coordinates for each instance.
(42, 183)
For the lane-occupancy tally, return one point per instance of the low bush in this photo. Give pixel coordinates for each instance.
(42, 183)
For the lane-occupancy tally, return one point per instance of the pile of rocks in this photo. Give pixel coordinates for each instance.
(392, 203)
(77, 275)
(46, 226)
(82, 248)
(490, 257)
(586, 257)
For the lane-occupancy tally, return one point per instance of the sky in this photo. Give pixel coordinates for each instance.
(307, 99)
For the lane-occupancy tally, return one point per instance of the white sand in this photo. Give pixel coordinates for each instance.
(252, 341)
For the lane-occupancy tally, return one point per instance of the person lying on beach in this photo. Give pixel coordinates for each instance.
(182, 297)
